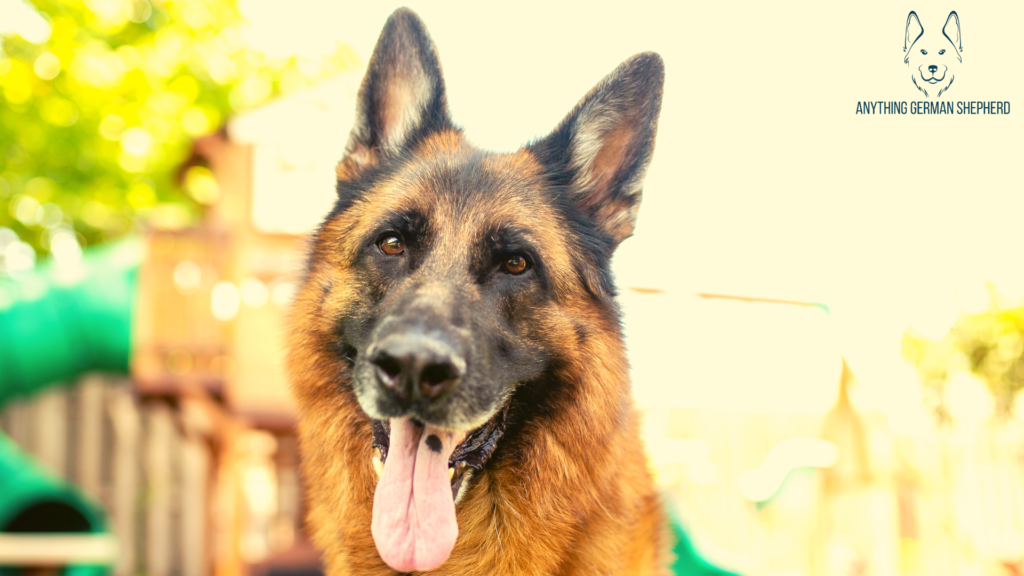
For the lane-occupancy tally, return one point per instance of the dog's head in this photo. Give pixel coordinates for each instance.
(933, 55)
(453, 259)
(447, 278)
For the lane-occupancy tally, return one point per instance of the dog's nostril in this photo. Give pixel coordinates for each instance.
(436, 378)
(389, 370)
(390, 366)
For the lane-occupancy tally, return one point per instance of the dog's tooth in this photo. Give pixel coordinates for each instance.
(378, 466)
(451, 473)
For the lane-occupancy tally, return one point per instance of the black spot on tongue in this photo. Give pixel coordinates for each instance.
(434, 443)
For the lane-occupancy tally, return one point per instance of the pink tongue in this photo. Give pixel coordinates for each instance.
(414, 524)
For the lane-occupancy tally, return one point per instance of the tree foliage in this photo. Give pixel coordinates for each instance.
(990, 344)
(96, 119)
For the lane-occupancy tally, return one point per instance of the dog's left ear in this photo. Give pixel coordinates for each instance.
(952, 33)
(603, 147)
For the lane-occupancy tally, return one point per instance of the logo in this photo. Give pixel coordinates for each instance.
(932, 54)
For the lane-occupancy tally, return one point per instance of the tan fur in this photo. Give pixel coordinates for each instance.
(572, 497)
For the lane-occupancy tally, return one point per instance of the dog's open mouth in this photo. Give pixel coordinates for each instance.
(471, 454)
(413, 525)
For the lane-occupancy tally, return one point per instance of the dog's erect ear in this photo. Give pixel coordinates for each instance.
(601, 151)
(952, 33)
(401, 95)
(913, 32)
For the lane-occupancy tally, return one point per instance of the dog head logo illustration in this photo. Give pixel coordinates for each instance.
(932, 55)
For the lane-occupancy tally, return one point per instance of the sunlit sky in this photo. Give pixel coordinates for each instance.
(764, 182)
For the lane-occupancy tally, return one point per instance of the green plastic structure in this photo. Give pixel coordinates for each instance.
(32, 501)
(59, 322)
(56, 323)
(689, 561)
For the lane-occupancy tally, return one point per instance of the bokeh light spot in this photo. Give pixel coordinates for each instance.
(224, 301)
(187, 276)
(201, 185)
(254, 292)
(47, 66)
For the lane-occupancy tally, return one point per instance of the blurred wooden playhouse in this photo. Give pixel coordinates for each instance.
(209, 335)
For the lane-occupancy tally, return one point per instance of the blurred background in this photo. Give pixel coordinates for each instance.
(824, 311)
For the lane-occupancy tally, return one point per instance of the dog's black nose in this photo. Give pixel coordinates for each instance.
(412, 366)
(932, 69)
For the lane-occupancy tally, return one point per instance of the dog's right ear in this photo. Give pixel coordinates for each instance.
(402, 95)
(913, 32)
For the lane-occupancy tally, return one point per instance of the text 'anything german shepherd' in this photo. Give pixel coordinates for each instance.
(458, 319)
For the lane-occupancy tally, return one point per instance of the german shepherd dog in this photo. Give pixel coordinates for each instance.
(456, 348)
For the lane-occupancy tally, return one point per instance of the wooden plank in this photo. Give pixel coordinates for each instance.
(159, 444)
(126, 477)
(56, 549)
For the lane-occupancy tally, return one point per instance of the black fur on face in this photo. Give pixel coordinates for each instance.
(447, 297)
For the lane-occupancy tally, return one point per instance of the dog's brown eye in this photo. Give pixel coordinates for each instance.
(391, 245)
(516, 264)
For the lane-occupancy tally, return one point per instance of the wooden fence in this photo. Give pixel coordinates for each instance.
(190, 491)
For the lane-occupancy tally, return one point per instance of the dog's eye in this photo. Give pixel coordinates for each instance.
(924, 51)
(516, 264)
(391, 245)
(942, 52)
